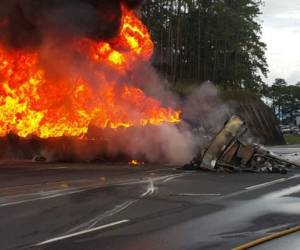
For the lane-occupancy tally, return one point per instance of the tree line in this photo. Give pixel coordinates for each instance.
(285, 100)
(216, 40)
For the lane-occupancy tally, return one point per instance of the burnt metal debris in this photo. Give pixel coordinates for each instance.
(229, 152)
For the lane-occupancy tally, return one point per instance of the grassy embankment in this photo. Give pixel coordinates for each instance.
(292, 139)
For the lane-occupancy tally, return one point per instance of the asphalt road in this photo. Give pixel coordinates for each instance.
(116, 206)
(290, 242)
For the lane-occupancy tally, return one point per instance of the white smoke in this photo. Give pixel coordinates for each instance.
(204, 114)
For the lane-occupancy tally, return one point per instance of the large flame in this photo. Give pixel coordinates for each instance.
(31, 103)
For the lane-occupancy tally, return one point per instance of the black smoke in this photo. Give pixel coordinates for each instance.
(25, 23)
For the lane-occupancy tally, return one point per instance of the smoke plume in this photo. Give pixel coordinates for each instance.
(48, 26)
(24, 23)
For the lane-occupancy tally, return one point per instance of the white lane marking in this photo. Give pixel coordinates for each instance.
(117, 209)
(57, 193)
(257, 187)
(150, 189)
(266, 184)
(49, 168)
(192, 194)
(284, 192)
(157, 179)
(93, 222)
(82, 232)
(173, 177)
(293, 177)
(159, 169)
(45, 196)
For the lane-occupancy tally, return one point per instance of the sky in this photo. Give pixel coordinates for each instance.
(281, 33)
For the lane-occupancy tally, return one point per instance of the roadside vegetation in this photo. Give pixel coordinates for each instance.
(285, 99)
(201, 40)
(218, 41)
(292, 139)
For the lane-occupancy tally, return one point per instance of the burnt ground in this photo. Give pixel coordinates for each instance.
(116, 206)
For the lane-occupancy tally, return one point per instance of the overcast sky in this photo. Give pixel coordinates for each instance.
(281, 33)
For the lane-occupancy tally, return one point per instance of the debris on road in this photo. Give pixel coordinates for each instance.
(229, 151)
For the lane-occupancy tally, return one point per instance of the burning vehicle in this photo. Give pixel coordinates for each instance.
(76, 77)
(229, 151)
(77, 71)
(37, 99)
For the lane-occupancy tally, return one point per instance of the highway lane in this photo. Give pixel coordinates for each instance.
(115, 206)
(160, 222)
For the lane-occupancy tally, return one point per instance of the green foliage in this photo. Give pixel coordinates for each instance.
(285, 100)
(216, 40)
(292, 139)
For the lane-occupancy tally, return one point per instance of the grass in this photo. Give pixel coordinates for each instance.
(292, 139)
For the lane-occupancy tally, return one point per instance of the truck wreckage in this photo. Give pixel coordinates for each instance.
(229, 151)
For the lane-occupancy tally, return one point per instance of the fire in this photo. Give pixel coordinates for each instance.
(31, 103)
(135, 163)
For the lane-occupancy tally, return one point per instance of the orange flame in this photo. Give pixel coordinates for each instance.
(135, 163)
(33, 104)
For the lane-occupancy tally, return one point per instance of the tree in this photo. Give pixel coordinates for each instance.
(285, 100)
(217, 40)
(277, 94)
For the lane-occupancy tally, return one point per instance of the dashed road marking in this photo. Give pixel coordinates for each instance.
(193, 194)
(266, 184)
(81, 232)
